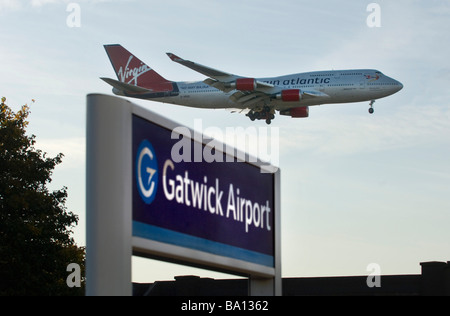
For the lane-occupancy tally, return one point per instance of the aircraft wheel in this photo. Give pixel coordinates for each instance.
(371, 110)
(268, 121)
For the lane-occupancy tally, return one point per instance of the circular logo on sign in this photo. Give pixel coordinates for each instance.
(147, 172)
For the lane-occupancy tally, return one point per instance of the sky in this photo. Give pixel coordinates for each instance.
(356, 188)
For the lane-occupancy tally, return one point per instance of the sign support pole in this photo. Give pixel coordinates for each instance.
(271, 286)
(108, 194)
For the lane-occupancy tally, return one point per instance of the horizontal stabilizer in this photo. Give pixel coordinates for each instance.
(122, 86)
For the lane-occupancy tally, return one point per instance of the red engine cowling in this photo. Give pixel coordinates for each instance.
(291, 95)
(245, 84)
(297, 112)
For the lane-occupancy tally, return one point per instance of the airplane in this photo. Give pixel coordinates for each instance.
(258, 98)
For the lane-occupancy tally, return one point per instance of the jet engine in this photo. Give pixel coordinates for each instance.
(291, 95)
(243, 84)
(297, 112)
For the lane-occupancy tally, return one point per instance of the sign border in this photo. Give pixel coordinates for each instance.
(109, 194)
(196, 257)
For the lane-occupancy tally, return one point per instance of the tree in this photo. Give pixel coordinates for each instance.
(35, 226)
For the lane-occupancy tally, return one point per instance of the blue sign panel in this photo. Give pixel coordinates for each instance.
(222, 208)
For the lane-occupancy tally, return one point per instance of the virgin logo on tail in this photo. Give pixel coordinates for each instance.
(134, 73)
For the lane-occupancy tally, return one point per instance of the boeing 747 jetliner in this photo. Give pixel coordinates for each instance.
(259, 98)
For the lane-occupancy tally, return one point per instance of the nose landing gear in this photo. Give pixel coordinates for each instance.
(371, 110)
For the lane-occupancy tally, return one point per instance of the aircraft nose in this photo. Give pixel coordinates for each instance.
(396, 86)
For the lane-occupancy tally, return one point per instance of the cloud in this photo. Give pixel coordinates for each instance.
(40, 3)
(10, 5)
(73, 149)
(344, 134)
(409, 34)
(14, 5)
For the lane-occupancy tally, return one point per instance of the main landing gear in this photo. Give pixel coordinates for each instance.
(266, 113)
(371, 110)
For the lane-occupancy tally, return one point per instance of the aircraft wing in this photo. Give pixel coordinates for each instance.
(207, 71)
(226, 82)
(249, 99)
(218, 79)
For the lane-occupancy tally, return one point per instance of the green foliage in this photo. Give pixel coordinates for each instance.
(35, 226)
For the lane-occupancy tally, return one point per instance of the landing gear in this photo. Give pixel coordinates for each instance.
(266, 113)
(371, 110)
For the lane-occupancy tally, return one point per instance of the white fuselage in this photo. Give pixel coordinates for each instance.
(339, 86)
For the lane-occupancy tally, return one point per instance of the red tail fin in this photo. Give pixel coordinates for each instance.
(132, 70)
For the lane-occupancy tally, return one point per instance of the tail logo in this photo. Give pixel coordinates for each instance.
(131, 75)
